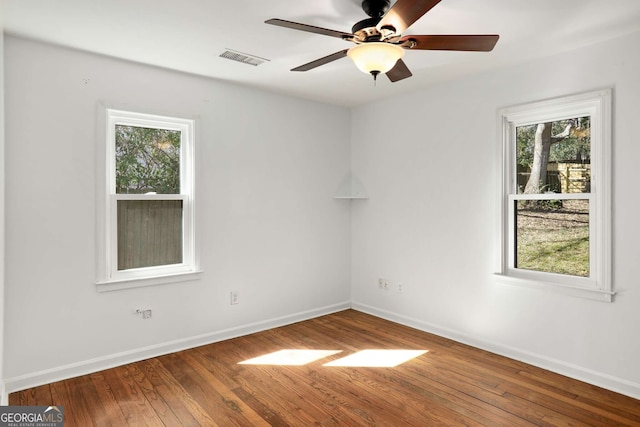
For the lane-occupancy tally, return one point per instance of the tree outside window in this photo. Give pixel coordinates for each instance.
(552, 235)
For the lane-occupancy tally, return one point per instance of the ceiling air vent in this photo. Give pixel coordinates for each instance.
(245, 58)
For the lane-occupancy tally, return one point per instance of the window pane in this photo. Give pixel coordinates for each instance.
(149, 233)
(554, 157)
(147, 160)
(553, 236)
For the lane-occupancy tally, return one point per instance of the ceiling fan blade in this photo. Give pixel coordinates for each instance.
(404, 13)
(318, 62)
(399, 71)
(309, 28)
(476, 43)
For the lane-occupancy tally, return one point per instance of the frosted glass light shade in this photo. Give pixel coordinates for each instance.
(375, 56)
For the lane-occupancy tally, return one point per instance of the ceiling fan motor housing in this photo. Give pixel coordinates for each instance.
(375, 8)
(366, 30)
(364, 24)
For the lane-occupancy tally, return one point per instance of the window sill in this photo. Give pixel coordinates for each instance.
(116, 285)
(561, 288)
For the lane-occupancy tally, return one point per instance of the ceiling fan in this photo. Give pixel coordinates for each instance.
(379, 44)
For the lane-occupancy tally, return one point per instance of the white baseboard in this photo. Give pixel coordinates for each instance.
(599, 379)
(101, 363)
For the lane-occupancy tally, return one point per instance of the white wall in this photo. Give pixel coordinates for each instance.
(430, 222)
(268, 167)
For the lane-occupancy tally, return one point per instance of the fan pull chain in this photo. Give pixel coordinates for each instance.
(375, 77)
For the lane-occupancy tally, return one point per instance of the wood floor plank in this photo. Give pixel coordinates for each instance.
(240, 408)
(67, 394)
(31, 396)
(560, 406)
(297, 409)
(111, 414)
(185, 408)
(133, 404)
(591, 395)
(206, 389)
(452, 384)
(150, 393)
(459, 396)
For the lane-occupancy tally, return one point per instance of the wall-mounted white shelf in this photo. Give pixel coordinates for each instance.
(351, 188)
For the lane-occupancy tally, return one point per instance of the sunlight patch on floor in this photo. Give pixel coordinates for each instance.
(377, 358)
(290, 357)
(363, 358)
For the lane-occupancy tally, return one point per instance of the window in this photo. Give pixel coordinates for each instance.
(149, 220)
(555, 230)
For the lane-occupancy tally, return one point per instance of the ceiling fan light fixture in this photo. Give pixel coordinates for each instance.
(375, 57)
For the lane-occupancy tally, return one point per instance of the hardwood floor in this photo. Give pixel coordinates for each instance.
(451, 384)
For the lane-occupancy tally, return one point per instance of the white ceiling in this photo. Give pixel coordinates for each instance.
(189, 35)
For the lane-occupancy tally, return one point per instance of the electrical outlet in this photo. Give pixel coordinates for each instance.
(400, 288)
(383, 284)
(234, 298)
(145, 313)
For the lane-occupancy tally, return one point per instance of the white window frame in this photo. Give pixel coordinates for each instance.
(597, 105)
(109, 277)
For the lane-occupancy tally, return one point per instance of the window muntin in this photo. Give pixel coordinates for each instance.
(149, 230)
(555, 228)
